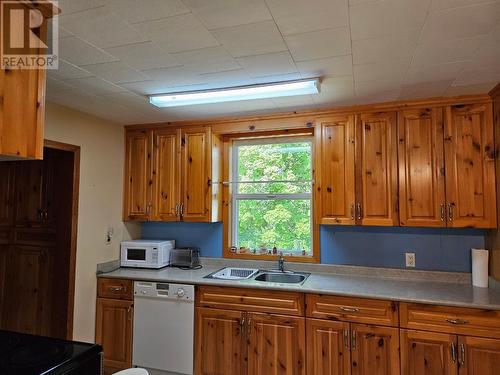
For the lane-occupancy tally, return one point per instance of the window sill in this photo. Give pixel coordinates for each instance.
(296, 259)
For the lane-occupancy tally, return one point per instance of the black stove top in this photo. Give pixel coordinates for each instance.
(22, 354)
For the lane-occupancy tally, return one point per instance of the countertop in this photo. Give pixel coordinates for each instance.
(405, 287)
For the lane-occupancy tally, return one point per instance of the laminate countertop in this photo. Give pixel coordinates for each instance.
(405, 286)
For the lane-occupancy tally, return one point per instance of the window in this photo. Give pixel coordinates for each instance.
(271, 200)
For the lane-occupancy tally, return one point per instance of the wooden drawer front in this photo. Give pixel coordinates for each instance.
(458, 320)
(267, 301)
(115, 288)
(357, 310)
(4, 235)
(34, 237)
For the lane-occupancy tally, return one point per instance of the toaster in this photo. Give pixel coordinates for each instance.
(188, 257)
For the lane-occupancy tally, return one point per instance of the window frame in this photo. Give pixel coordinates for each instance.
(230, 170)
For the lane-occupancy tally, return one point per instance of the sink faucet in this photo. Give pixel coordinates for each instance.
(281, 263)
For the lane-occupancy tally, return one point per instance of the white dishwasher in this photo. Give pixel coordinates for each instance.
(163, 340)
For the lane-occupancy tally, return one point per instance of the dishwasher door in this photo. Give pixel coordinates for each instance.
(163, 338)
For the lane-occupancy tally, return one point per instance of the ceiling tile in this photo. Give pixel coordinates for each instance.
(251, 39)
(230, 78)
(72, 6)
(217, 14)
(207, 60)
(294, 102)
(63, 33)
(178, 33)
(391, 17)
(376, 92)
(447, 4)
(425, 90)
(94, 85)
(268, 64)
(142, 56)
(330, 66)
(392, 71)
(480, 88)
(433, 73)
(461, 22)
(116, 72)
(101, 27)
(472, 76)
(440, 51)
(55, 85)
(299, 16)
(79, 52)
(67, 70)
(319, 44)
(334, 91)
(176, 76)
(389, 47)
(488, 52)
(134, 11)
(132, 101)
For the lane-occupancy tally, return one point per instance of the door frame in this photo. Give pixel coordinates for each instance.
(75, 150)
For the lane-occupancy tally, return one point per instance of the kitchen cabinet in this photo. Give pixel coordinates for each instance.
(6, 194)
(26, 288)
(334, 188)
(219, 342)
(169, 175)
(328, 347)
(470, 166)
(114, 319)
(422, 200)
(376, 169)
(478, 355)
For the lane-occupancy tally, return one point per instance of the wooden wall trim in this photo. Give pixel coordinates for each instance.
(495, 91)
(300, 119)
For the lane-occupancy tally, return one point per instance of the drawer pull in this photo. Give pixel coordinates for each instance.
(346, 338)
(462, 355)
(453, 352)
(457, 321)
(115, 289)
(349, 309)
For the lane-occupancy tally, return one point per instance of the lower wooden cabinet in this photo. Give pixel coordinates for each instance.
(432, 353)
(114, 320)
(338, 348)
(219, 345)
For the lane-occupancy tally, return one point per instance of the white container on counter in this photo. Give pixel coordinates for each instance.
(480, 267)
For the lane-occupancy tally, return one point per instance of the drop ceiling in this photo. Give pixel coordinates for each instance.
(115, 52)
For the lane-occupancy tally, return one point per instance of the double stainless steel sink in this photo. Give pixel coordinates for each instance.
(266, 276)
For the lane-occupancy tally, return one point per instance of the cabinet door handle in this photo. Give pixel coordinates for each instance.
(129, 310)
(177, 209)
(346, 339)
(352, 211)
(115, 289)
(349, 309)
(453, 352)
(182, 209)
(443, 211)
(450, 211)
(462, 355)
(359, 209)
(457, 321)
(353, 339)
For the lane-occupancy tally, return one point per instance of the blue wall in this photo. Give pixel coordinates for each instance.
(435, 249)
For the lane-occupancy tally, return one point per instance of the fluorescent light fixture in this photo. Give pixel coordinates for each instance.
(268, 90)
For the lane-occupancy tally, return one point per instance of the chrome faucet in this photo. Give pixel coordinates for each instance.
(281, 263)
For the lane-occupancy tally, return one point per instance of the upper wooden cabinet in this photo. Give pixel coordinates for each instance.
(169, 175)
(335, 200)
(447, 167)
(422, 200)
(470, 166)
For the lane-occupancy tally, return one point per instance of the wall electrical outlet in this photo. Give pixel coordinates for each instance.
(410, 259)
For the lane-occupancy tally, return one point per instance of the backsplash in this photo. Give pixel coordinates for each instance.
(435, 249)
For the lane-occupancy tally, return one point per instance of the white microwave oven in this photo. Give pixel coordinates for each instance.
(146, 253)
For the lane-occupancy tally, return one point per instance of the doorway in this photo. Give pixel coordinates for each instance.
(38, 230)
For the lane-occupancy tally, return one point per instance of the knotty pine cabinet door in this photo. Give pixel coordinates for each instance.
(334, 188)
(328, 347)
(374, 350)
(166, 179)
(196, 170)
(376, 169)
(478, 356)
(138, 176)
(219, 342)
(470, 166)
(428, 353)
(422, 201)
(276, 345)
(114, 320)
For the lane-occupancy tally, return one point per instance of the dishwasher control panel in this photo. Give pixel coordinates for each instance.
(170, 291)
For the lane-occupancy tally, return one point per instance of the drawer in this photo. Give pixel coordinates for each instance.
(458, 320)
(267, 301)
(351, 309)
(27, 236)
(115, 288)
